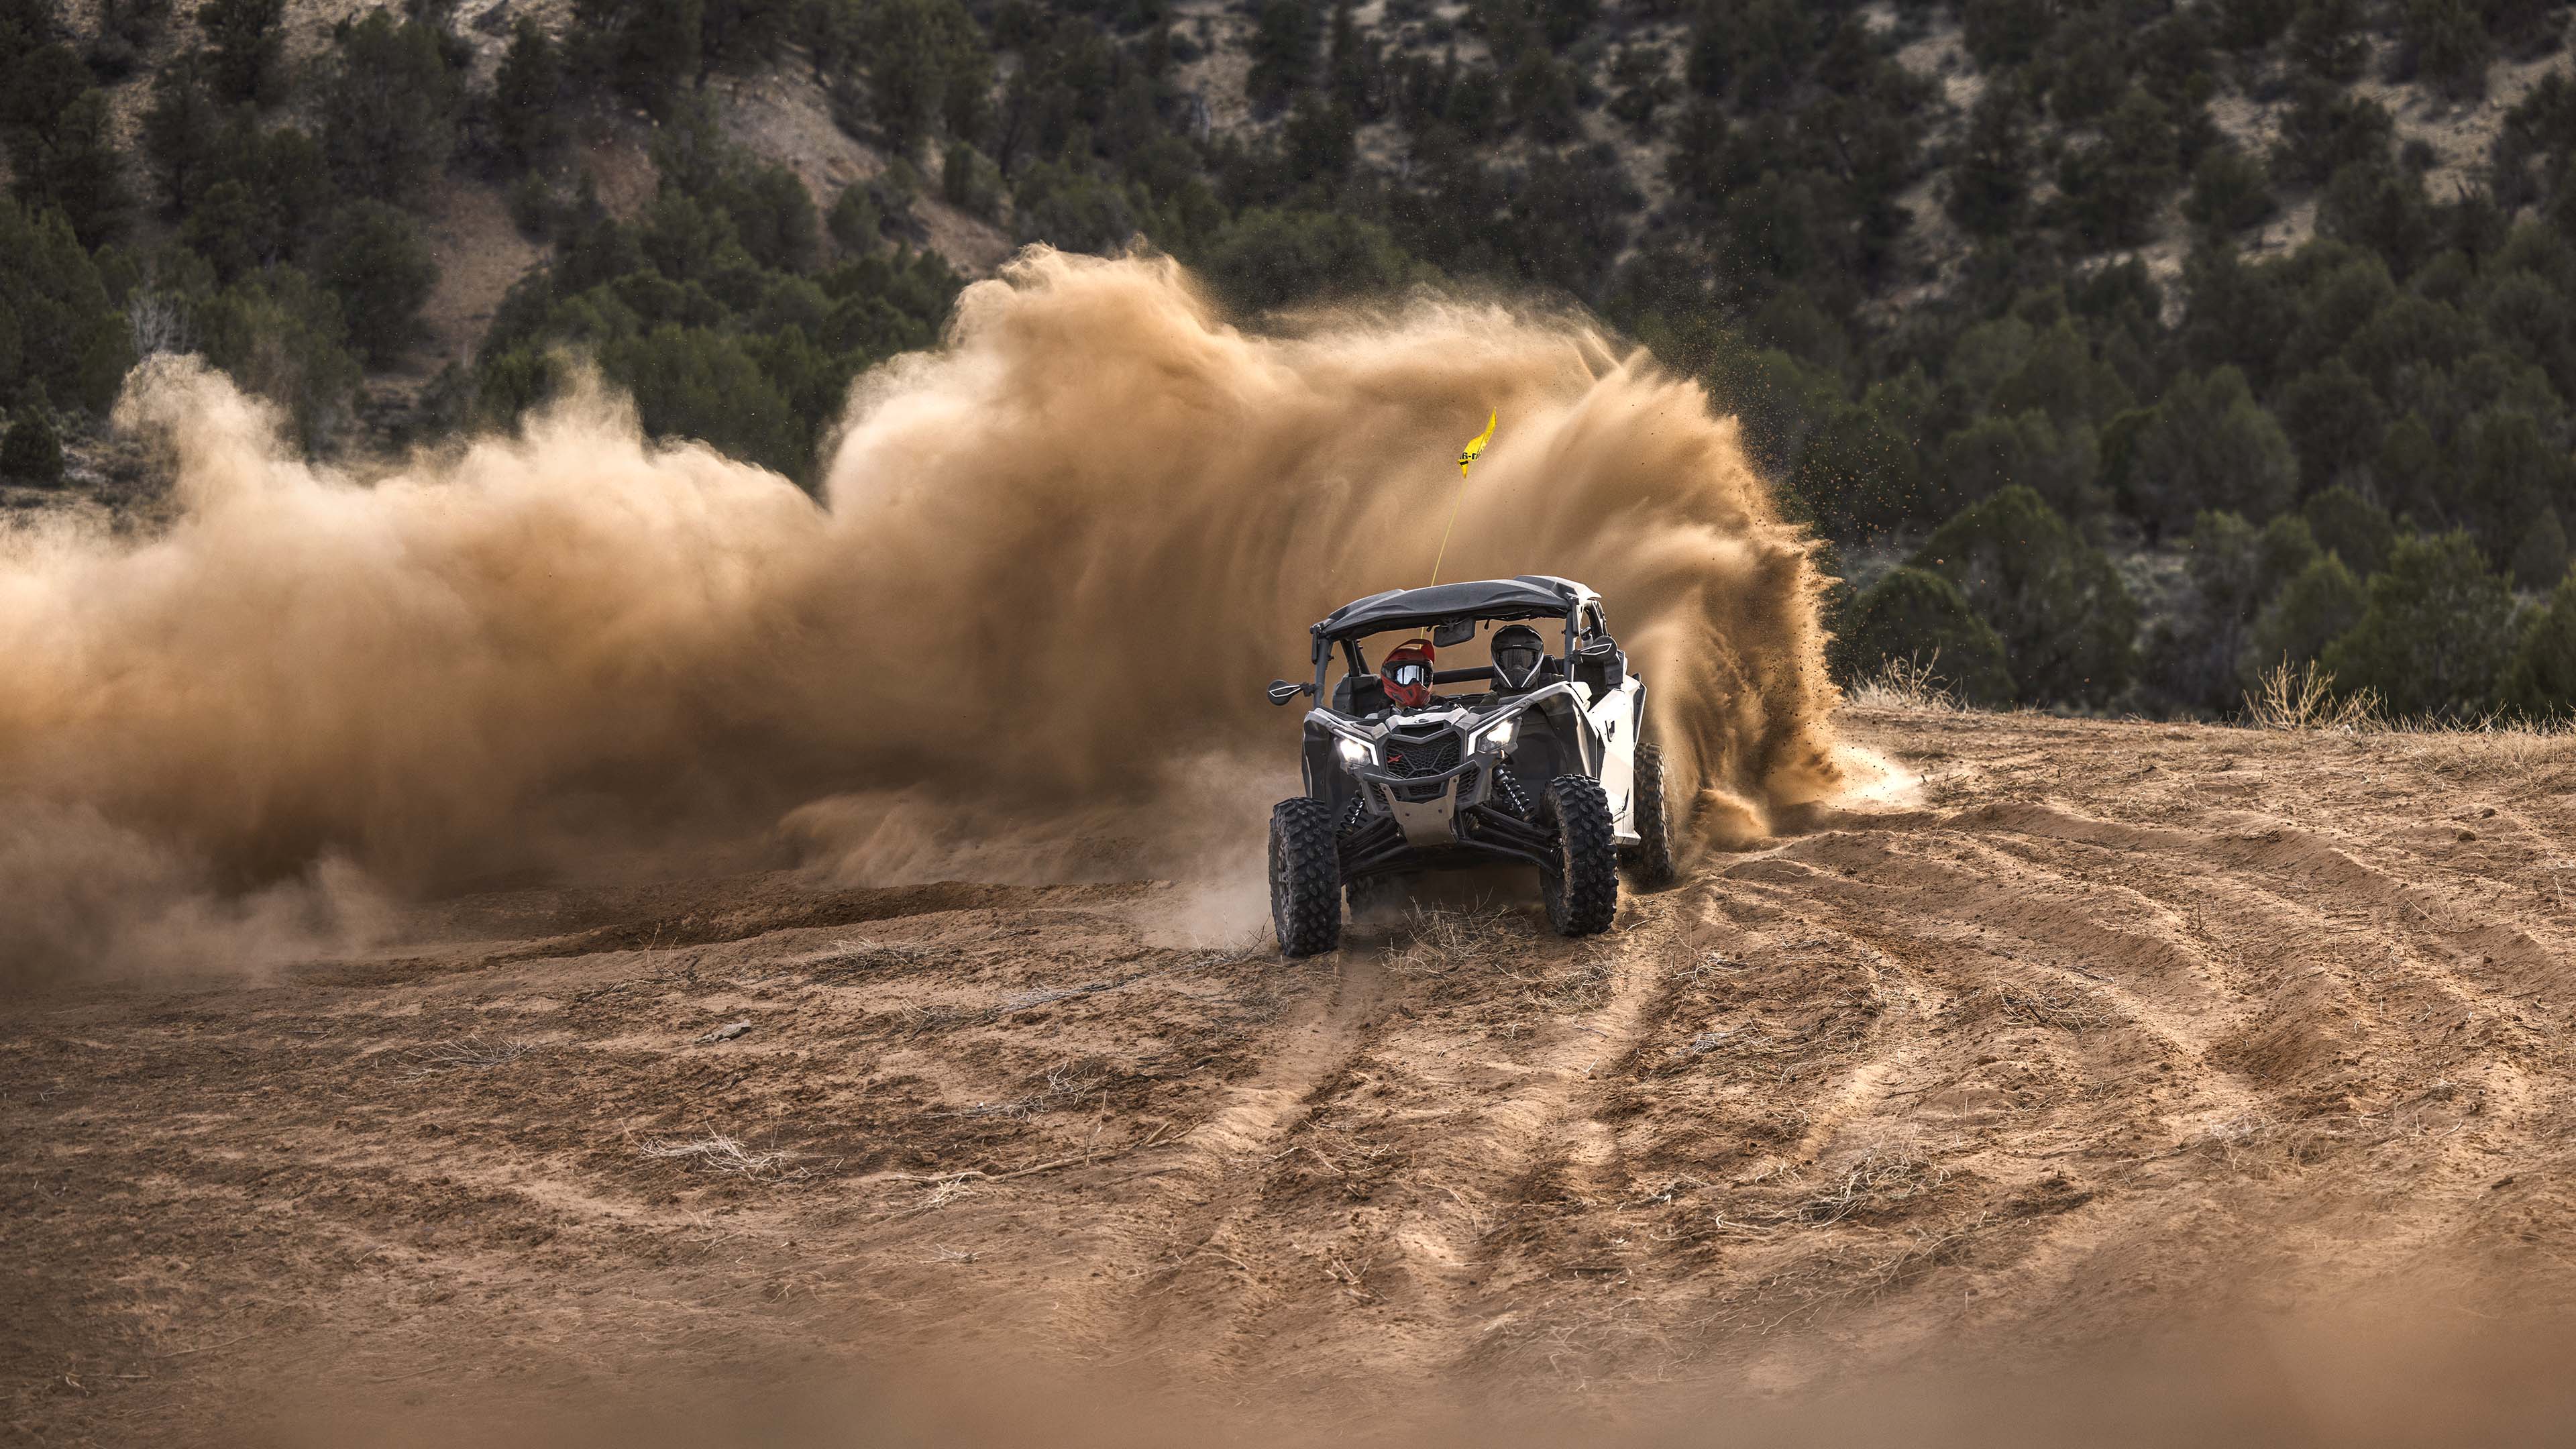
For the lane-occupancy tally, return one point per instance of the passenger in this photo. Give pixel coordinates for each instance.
(1518, 655)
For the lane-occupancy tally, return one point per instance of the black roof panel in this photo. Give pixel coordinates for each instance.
(1529, 596)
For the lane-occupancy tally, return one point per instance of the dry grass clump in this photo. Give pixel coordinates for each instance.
(460, 1054)
(1910, 683)
(2305, 699)
(722, 1155)
(1441, 939)
(1874, 1184)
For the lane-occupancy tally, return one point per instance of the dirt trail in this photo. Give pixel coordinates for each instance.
(2103, 1030)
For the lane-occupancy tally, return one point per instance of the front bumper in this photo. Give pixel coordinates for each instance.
(1438, 821)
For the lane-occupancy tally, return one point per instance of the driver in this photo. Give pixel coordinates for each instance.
(1518, 653)
(1407, 674)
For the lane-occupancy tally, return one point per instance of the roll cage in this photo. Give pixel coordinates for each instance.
(1527, 596)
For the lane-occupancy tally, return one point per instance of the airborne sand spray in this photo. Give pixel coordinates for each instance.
(1057, 560)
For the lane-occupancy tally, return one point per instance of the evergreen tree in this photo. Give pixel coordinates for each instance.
(2066, 620)
(526, 93)
(378, 263)
(245, 44)
(180, 129)
(2211, 446)
(32, 454)
(2346, 524)
(2319, 604)
(1917, 616)
(2540, 679)
(389, 108)
(1989, 185)
(2436, 633)
(1285, 38)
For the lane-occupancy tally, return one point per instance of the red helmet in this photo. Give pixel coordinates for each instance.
(1407, 672)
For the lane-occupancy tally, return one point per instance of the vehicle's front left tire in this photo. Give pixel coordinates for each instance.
(1305, 877)
(1582, 885)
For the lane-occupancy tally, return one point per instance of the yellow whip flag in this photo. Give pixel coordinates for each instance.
(1466, 455)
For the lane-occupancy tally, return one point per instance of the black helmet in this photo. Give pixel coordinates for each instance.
(1518, 652)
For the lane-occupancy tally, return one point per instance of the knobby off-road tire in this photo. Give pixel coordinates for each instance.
(1651, 858)
(1582, 887)
(1305, 877)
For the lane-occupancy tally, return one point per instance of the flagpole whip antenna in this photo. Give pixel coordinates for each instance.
(1466, 456)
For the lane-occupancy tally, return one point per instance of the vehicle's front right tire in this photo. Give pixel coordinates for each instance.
(1582, 886)
(1305, 877)
(1652, 856)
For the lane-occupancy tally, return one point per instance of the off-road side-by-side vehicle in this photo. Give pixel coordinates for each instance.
(1543, 766)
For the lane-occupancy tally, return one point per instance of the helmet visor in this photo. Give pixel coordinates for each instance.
(1515, 663)
(1409, 674)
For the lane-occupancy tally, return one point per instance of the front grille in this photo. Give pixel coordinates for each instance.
(1422, 754)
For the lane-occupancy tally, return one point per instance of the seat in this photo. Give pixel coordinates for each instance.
(1359, 694)
(1602, 674)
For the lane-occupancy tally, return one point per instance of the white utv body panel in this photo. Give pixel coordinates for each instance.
(1617, 719)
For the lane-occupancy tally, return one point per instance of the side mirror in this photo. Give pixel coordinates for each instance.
(1599, 646)
(1281, 691)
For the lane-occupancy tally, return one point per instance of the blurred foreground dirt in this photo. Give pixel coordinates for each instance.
(2080, 1033)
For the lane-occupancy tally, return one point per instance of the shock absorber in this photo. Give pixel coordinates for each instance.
(1510, 785)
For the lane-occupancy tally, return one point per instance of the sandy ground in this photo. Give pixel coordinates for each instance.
(2074, 1034)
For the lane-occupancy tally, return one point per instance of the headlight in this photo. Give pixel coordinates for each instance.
(1500, 736)
(1353, 752)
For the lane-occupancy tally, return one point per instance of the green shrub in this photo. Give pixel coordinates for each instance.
(1990, 181)
(2229, 190)
(2347, 524)
(1858, 476)
(33, 452)
(388, 108)
(378, 262)
(2435, 635)
(2319, 604)
(2329, 41)
(2540, 556)
(2540, 679)
(1286, 42)
(61, 151)
(970, 181)
(2003, 33)
(527, 91)
(1918, 616)
(283, 337)
(696, 383)
(58, 329)
(2067, 622)
(2234, 570)
(855, 223)
(2333, 420)
(927, 67)
(2445, 42)
(2211, 446)
(2061, 465)
(245, 43)
(180, 128)
(1264, 259)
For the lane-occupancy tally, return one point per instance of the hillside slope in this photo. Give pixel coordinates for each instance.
(2067, 1036)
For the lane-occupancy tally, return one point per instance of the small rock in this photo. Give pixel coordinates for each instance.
(727, 1032)
(2468, 835)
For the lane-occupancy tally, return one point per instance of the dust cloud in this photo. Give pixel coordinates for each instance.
(1023, 633)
